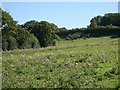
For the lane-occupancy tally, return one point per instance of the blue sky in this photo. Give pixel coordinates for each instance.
(63, 14)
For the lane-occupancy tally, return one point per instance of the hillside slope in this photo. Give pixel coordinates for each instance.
(89, 63)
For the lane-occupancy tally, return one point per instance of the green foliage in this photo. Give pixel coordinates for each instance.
(112, 71)
(30, 25)
(26, 39)
(34, 34)
(93, 23)
(107, 25)
(70, 34)
(9, 43)
(4, 43)
(0, 40)
(12, 43)
(62, 29)
(15, 36)
(99, 31)
(92, 63)
(103, 31)
(80, 63)
(107, 19)
(8, 24)
(21, 39)
(34, 42)
(44, 31)
(73, 36)
(54, 42)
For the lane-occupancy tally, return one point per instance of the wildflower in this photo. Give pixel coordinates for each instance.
(11, 55)
(76, 63)
(89, 65)
(11, 65)
(30, 57)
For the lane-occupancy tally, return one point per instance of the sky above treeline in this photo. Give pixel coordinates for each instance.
(63, 14)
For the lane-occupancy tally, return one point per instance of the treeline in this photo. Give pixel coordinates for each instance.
(112, 31)
(107, 25)
(34, 34)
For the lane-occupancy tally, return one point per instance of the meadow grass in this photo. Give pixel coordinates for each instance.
(89, 63)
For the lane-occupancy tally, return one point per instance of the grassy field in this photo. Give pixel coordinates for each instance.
(89, 63)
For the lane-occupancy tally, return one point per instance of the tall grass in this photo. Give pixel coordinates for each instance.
(90, 63)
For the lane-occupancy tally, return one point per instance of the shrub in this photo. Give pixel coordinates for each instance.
(4, 43)
(9, 43)
(30, 42)
(12, 43)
